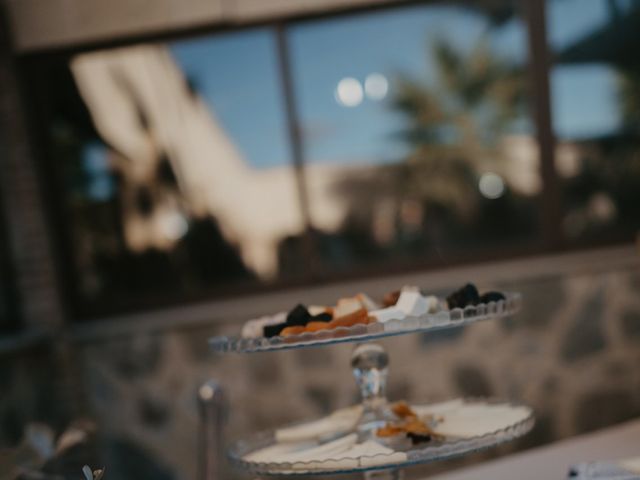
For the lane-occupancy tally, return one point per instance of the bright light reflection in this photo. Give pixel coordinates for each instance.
(376, 86)
(491, 185)
(349, 92)
(206, 392)
(174, 226)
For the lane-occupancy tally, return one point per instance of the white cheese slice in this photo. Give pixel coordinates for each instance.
(316, 310)
(386, 314)
(476, 419)
(255, 328)
(415, 304)
(339, 421)
(301, 451)
(367, 302)
(436, 409)
(372, 454)
(410, 288)
(322, 452)
(346, 306)
(433, 304)
(367, 454)
(278, 450)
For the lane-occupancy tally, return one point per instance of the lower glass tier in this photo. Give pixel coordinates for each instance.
(461, 421)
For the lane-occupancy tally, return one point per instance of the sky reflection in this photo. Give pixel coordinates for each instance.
(237, 76)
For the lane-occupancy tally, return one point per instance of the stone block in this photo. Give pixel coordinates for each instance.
(586, 336)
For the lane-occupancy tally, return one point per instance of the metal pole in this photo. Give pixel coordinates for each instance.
(211, 403)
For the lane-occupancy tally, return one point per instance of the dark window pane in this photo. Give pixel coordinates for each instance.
(9, 314)
(596, 92)
(174, 168)
(417, 132)
(9, 321)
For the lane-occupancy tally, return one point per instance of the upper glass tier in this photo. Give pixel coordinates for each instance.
(359, 333)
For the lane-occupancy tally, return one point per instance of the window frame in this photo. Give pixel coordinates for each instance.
(10, 318)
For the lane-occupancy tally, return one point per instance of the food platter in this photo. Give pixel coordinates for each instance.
(359, 333)
(516, 421)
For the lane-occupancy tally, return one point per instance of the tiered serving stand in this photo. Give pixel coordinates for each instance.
(369, 363)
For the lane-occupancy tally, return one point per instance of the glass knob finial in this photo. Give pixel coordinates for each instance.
(369, 362)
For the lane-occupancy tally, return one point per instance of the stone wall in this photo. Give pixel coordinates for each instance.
(572, 354)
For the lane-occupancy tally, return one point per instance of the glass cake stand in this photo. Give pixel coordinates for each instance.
(369, 363)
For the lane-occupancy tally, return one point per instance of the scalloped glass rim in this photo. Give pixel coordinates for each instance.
(431, 453)
(358, 333)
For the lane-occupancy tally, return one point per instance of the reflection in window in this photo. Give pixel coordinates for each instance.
(596, 92)
(175, 166)
(417, 137)
(174, 160)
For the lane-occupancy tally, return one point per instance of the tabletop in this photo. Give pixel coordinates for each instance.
(553, 461)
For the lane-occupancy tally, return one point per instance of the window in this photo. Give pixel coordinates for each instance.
(596, 91)
(314, 148)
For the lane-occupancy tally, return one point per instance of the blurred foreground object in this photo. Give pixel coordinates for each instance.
(92, 475)
(81, 451)
(211, 403)
(36, 447)
(39, 451)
